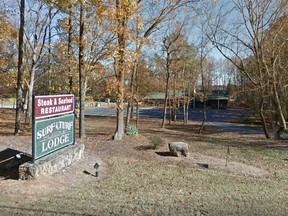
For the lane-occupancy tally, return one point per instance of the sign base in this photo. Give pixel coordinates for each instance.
(52, 163)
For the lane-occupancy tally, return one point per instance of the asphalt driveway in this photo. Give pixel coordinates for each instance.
(224, 119)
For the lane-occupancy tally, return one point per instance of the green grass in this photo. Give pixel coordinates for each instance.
(135, 187)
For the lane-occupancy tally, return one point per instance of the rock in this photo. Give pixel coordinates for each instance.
(282, 134)
(178, 148)
(52, 163)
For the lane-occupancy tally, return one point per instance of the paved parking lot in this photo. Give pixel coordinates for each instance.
(225, 119)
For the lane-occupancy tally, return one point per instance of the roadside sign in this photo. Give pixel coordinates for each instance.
(52, 134)
(53, 124)
(53, 105)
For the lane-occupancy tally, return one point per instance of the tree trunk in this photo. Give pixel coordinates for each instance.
(204, 92)
(28, 115)
(82, 76)
(164, 111)
(263, 120)
(119, 133)
(278, 107)
(184, 111)
(185, 102)
(137, 114)
(187, 110)
(204, 115)
(137, 102)
(130, 102)
(174, 111)
(49, 51)
(128, 113)
(166, 99)
(170, 108)
(19, 99)
(70, 49)
(274, 123)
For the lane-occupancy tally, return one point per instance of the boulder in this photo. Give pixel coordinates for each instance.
(282, 134)
(178, 148)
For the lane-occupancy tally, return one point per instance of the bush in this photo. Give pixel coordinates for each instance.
(156, 141)
(131, 130)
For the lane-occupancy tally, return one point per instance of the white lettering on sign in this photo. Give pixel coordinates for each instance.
(49, 102)
(60, 125)
(65, 101)
(57, 109)
(54, 105)
(54, 142)
(43, 102)
(50, 135)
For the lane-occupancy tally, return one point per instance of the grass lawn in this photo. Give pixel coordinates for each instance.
(136, 181)
(136, 187)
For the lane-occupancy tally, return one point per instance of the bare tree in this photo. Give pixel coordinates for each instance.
(203, 52)
(35, 51)
(243, 40)
(154, 16)
(169, 47)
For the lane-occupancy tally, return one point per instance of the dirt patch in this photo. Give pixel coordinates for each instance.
(99, 148)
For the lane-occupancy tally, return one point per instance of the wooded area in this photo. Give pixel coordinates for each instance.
(125, 49)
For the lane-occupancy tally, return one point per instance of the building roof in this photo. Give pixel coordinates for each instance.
(155, 96)
(161, 95)
(211, 95)
(217, 95)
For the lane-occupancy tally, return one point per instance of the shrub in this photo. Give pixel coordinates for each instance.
(156, 141)
(131, 130)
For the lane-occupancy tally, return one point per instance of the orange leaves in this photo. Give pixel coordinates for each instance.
(8, 34)
(7, 30)
(111, 86)
(65, 3)
(129, 7)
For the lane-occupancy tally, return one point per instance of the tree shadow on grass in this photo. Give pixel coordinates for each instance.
(165, 154)
(144, 147)
(10, 160)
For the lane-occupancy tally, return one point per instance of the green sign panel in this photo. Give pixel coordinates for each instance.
(53, 134)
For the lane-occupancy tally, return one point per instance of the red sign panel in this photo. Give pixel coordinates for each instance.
(53, 105)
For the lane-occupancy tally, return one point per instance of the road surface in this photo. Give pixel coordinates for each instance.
(224, 119)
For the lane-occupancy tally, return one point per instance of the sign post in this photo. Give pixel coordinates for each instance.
(53, 124)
